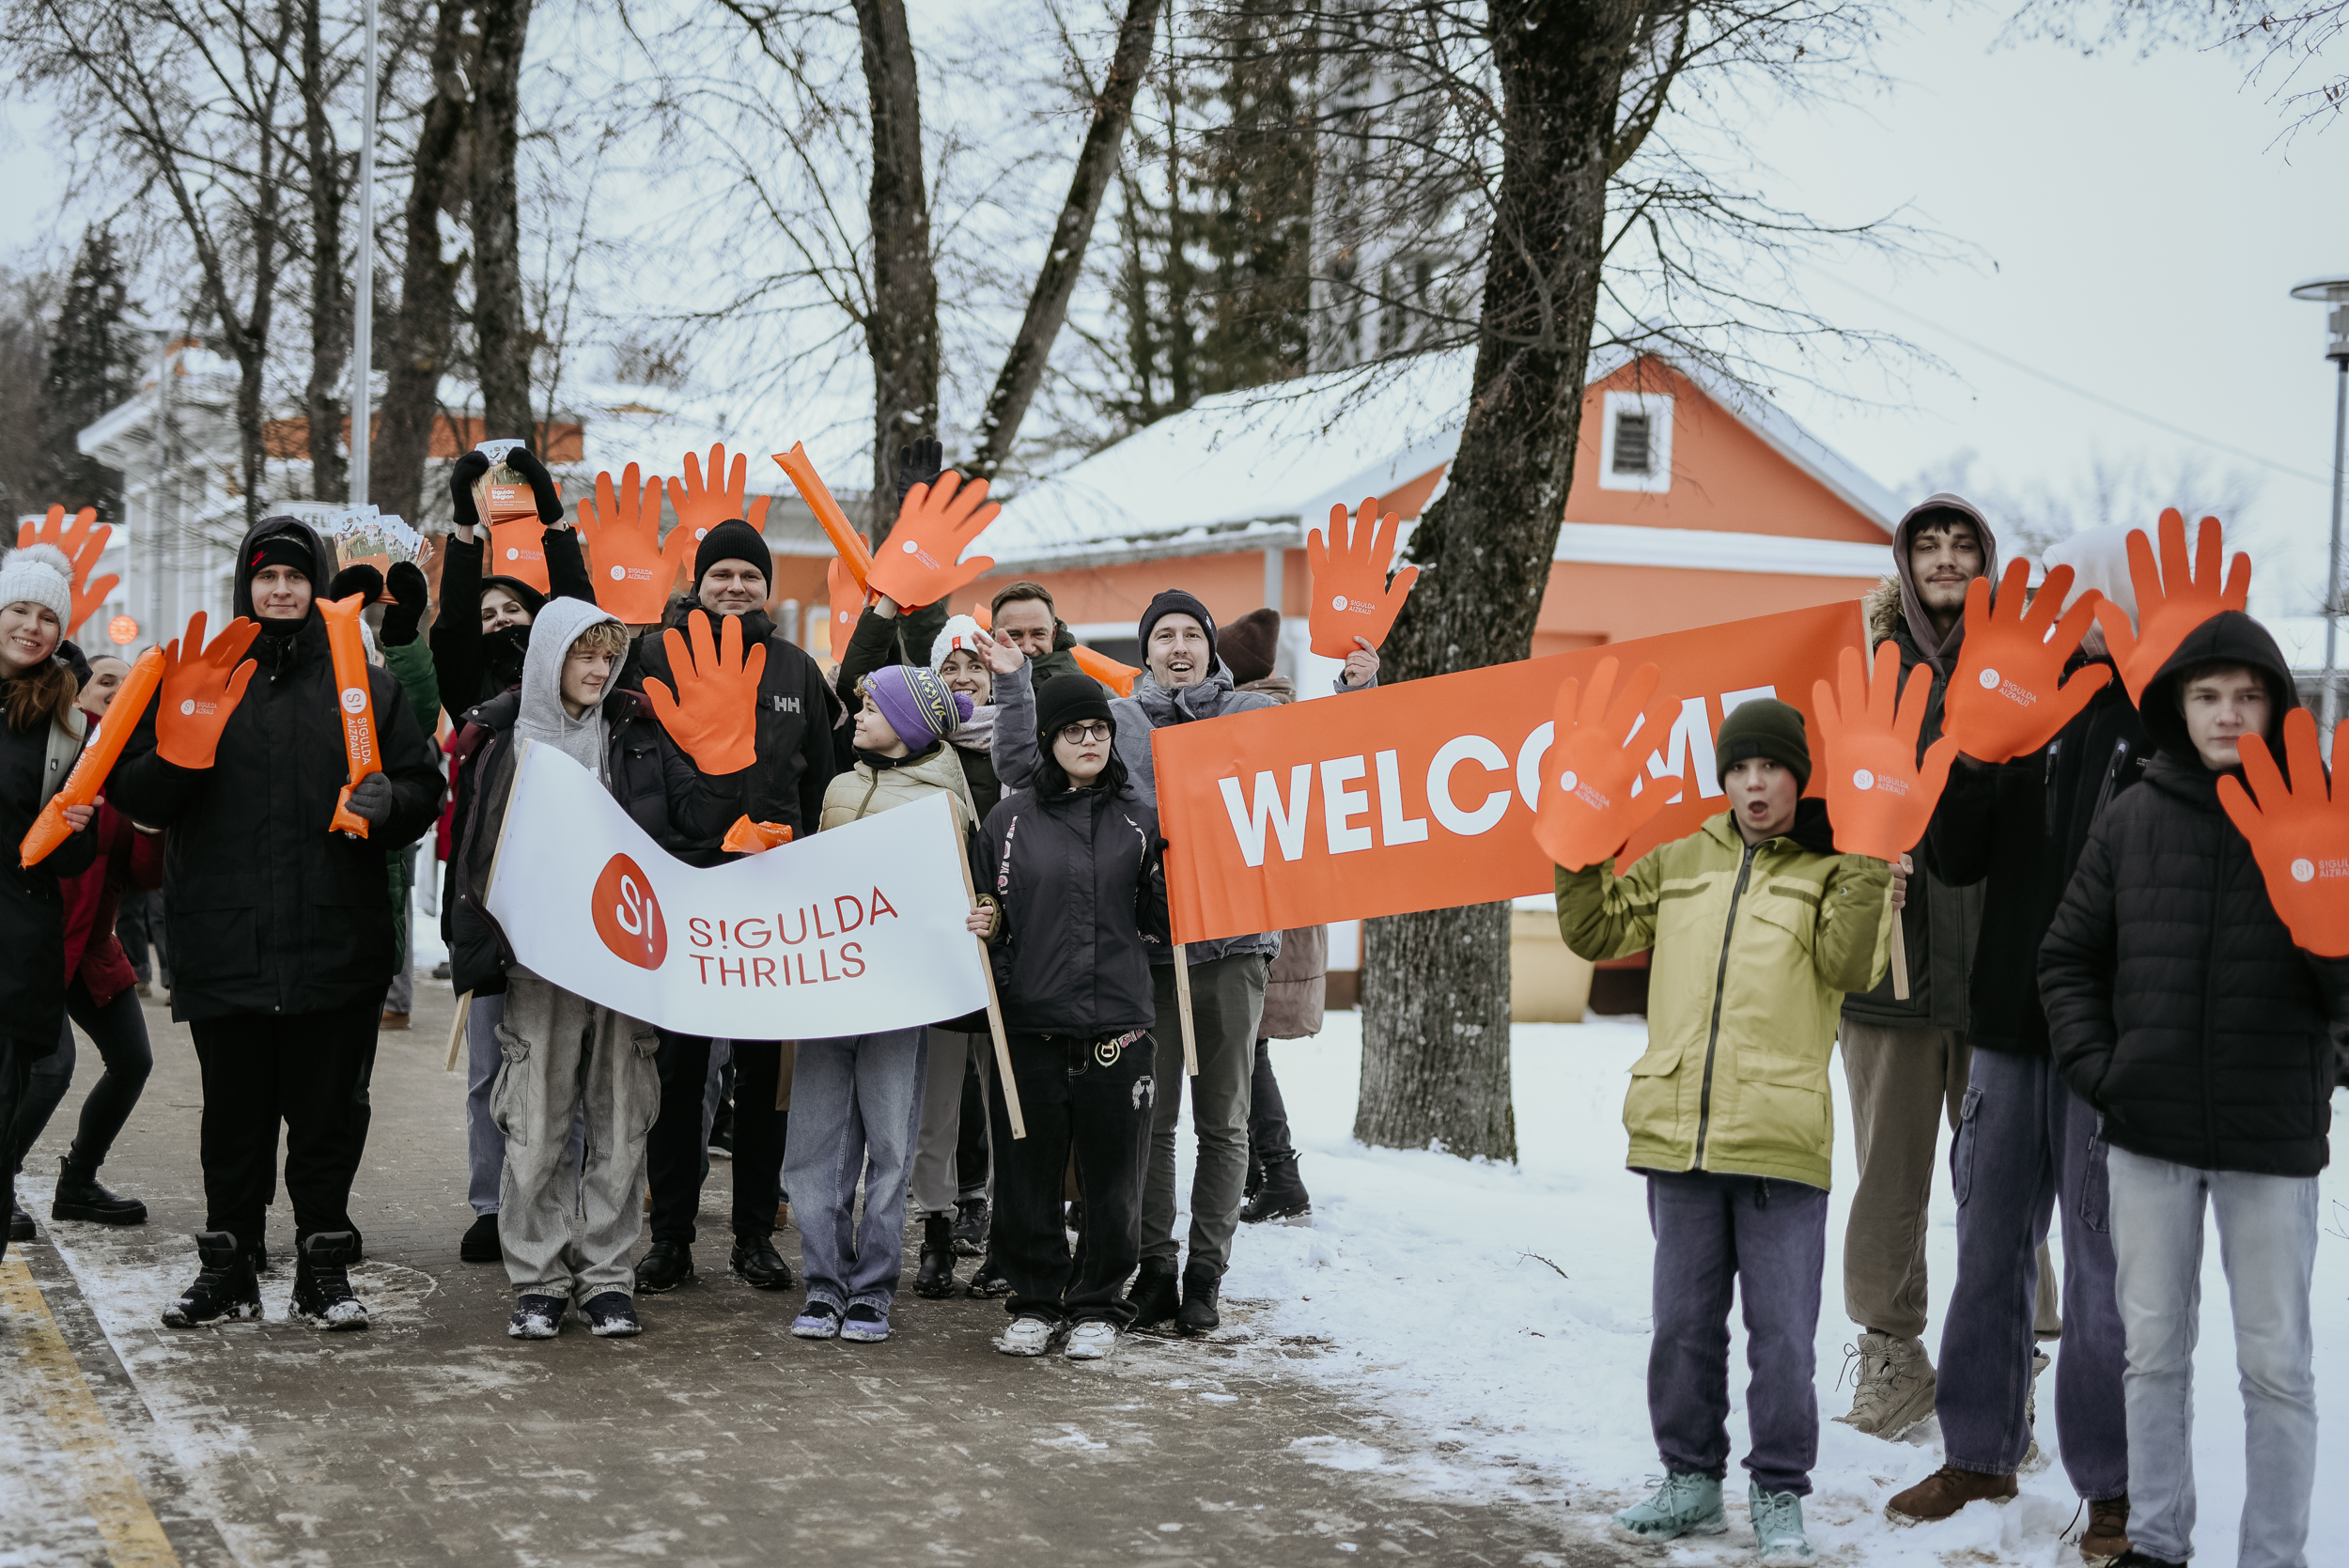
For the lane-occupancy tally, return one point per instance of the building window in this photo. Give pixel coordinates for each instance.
(1636, 443)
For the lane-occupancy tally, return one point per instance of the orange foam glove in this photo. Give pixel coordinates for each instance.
(845, 597)
(2007, 695)
(2300, 834)
(1879, 796)
(622, 531)
(923, 562)
(1588, 810)
(83, 542)
(1352, 596)
(747, 837)
(702, 506)
(356, 704)
(201, 687)
(713, 714)
(81, 786)
(518, 548)
(2171, 598)
(1109, 672)
(846, 541)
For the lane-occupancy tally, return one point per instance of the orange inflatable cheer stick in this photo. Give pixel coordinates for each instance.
(2007, 696)
(201, 688)
(923, 562)
(713, 714)
(1352, 597)
(83, 542)
(845, 599)
(747, 837)
(2300, 834)
(1588, 810)
(622, 531)
(1879, 796)
(846, 541)
(702, 506)
(1109, 672)
(2171, 598)
(356, 701)
(97, 760)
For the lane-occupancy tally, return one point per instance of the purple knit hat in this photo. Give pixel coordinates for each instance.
(916, 704)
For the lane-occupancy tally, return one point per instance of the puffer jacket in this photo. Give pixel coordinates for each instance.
(879, 783)
(1755, 947)
(2176, 1002)
(33, 762)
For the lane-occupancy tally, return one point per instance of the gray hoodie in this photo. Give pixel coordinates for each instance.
(1939, 651)
(542, 717)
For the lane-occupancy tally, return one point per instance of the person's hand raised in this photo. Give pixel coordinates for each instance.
(921, 563)
(2172, 598)
(1879, 795)
(201, 687)
(621, 528)
(1000, 653)
(713, 714)
(2300, 834)
(1588, 809)
(1354, 602)
(701, 504)
(2007, 696)
(83, 540)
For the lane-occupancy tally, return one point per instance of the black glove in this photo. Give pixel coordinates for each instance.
(371, 797)
(411, 595)
(524, 462)
(918, 463)
(462, 479)
(361, 579)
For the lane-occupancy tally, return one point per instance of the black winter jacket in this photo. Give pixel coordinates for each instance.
(267, 910)
(32, 909)
(1084, 900)
(2176, 1002)
(471, 668)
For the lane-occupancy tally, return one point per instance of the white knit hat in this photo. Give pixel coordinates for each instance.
(2099, 559)
(962, 635)
(37, 574)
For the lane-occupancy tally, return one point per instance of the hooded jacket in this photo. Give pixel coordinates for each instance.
(267, 910)
(2177, 1003)
(32, 902)
(653, 781)
(473, 668)
(1756, 946)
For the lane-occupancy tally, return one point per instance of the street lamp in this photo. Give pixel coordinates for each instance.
(2334, 291)
(362, 299)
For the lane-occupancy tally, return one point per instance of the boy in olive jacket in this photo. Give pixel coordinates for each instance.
(1759, 929)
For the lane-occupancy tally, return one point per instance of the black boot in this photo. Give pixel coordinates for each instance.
(756, 1259)
(321, 1289)
(1153, 1294)
(1281, 1200)
(20, 1223)
(667, 1266)
(1201, 1283)
(987, 1280)
(224, 1288)
(937, 1280)
(480, 1241)
(80, 1197)
(970, 1215)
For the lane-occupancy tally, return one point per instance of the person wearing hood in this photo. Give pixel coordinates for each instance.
(484, 630)
(2179, 1009)
(281, 931)
(559, 1051)
(1759, 929)
(1183, 680)
(2025, 1142)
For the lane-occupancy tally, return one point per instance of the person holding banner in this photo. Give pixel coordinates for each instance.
(281, 929)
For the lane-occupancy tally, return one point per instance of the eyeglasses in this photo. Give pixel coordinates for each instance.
(1077, 735)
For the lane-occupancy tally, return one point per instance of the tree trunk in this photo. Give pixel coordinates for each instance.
(500, 329)
(901, 325)
(1072, 236)
(1435, 985)
(329, 298)
(419, 350)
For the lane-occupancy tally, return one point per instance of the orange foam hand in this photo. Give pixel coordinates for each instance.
(81, 786)
(2300, 834)
(348, 652)
(83, 541)
(201, 687)
(713, 714)
(923, 562)
(701, 504)
(1352, 596)
(621, 529)
(2008, 696)
(1102, 668)
(1879, 796)
(845, 598)
(846, 541)
(1588, 810)
(2172, 598)
(747, 837)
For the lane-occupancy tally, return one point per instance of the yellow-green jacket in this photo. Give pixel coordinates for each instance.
(1754, 949)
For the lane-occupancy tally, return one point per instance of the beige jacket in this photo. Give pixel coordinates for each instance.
(865, 789)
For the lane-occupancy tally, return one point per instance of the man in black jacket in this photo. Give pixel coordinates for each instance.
(2180, 1007)
(797, 712)
(281, 931)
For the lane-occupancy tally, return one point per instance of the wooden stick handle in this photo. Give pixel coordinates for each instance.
(457, 1031)
(1900, 959)
(1182, 1006)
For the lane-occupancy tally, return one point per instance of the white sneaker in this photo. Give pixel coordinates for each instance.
(1091, 1340)
(1027, 1336)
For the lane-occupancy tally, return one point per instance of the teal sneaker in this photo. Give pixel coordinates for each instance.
(1682, 1505)
(1777, 1537)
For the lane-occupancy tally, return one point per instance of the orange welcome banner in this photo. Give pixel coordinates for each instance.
(1421, 796)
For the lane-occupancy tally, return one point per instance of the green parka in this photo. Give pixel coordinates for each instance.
(1754, 950)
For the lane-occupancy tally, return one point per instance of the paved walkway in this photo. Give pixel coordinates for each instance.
(715, 1438)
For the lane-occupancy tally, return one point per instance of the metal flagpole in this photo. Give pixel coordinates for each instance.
(362, 302)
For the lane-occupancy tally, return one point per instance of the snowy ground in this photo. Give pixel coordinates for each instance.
(1500, 1316)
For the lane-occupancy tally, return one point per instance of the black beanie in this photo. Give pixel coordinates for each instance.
(733, 540)
(1765, 727)
(524, 594)
(1062, 702)
(1177, 602)
(281, 550)
(1252, 645)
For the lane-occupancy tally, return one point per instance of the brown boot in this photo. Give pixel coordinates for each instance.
(2107, 1534)
(1944, 1492)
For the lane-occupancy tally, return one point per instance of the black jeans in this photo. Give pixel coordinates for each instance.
(680, 1160)
(1268, 1119)
(119, 1031)
(971, 1155)
(16, 1070)
(1098, 1100)
(303, 1069)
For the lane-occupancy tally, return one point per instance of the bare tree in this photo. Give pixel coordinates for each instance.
(2289, 44)
(504, 341)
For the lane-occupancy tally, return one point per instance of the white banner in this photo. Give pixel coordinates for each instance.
(850, 932)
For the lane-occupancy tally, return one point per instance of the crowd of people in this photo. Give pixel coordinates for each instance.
(2101, 999)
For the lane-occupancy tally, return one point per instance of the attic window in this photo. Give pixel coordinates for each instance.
(1636, 443)
(1631, 451)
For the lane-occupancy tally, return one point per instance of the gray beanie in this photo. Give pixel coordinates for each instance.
(37, 574)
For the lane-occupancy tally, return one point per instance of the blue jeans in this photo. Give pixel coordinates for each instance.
(2268, 1244)
(1769, 1240)
(2025, 1140)
(856, 1110)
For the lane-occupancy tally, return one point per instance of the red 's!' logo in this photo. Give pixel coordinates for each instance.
(628, 916)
